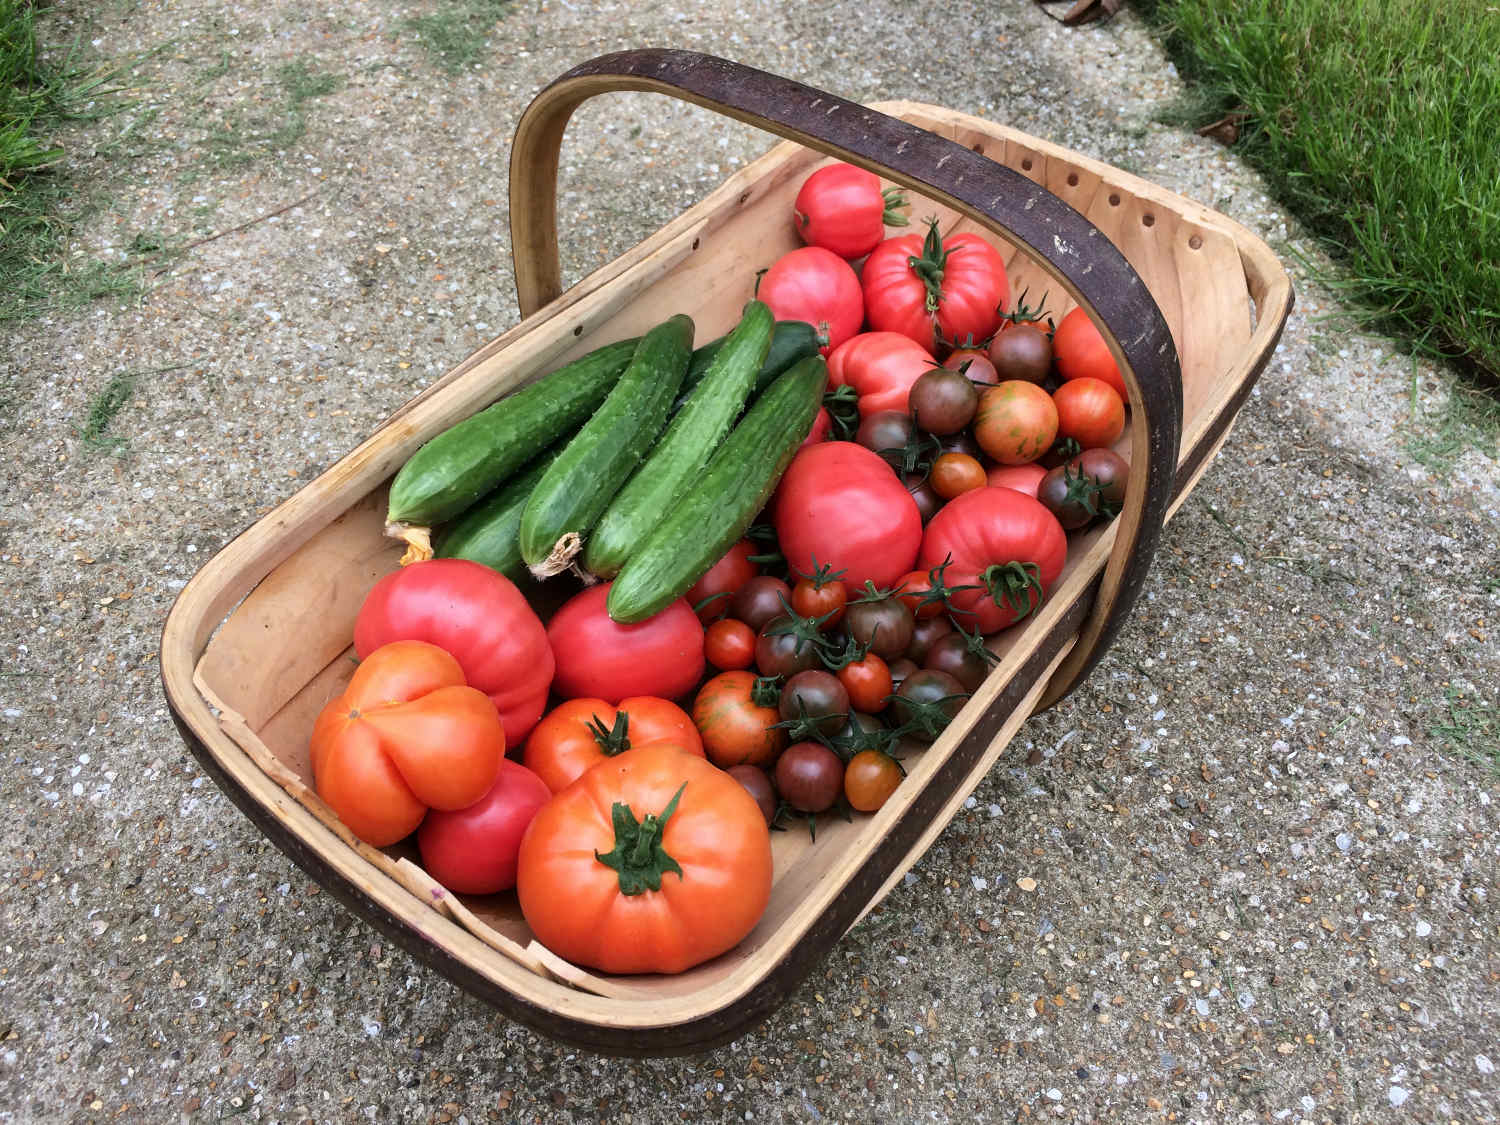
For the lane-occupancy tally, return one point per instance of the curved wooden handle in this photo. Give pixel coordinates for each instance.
(1068, 246)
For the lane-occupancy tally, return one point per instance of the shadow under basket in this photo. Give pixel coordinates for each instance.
(1191, 303)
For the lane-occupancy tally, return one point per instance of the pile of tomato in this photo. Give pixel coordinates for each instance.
(619, 777)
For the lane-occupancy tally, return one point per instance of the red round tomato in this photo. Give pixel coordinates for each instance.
(1090, 412)
(729, 645)
(1005, 543)
(841, 505)
(1016, 422)
(936, 290)
(473, 851)
(817, 286)
(710, 595)
(881, 367)
(1079, 351)
(479, 616)
(1023, 478)
(868, 682)
(842, 208)
(821, 597)
(737, 715)
(654, 862)
(600, 658)
(406, 735)
(575, 736)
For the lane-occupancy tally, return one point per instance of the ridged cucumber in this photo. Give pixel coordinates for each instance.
(467, 460)
(685, 448)
(574, 492)
(490, 531)
(738, 480)
(791, 340)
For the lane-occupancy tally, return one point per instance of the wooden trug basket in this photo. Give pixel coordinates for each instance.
(260, 638)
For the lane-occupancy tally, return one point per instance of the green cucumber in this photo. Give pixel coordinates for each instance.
(685, 448)
(490, 531)
(791, 340)
(737, 482)
(467, 461)
(579, 485)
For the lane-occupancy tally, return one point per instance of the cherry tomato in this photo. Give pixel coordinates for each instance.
(1022, 352)
(884, 625)
(943, 401)
(926, 702)
(869, 780)
(912, 588)
(818, 696)
(1110, 472)
(809, 776)
(868, 684)
(819, 287)
(1079, 350)
(953, 474)
(712, 594)
(1090, 412)
(1070, 496)
(925, 634)
(1016, 422)
(843, 209)
(974, 364)
(736, 714)
(784, 647)
(729, 644)
(759, 600)
(815, 597)
(758, 785)
(963, 656)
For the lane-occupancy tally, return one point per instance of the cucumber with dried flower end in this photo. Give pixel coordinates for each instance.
(490, 531)
(715, 512)
(467, 460)
(574, 492)
(680, 454)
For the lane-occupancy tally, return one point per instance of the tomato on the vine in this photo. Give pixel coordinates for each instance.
(1090, 412)
(821, 594)
(816, 700)
(844, 209)
(712, 594)
(1079, 351)
(809, 777)
(935, 289)
(737, 716)
(816, 286)
(870, 778)
(1023, 351)
(729, 644)
(1016, 422)
(868, 682)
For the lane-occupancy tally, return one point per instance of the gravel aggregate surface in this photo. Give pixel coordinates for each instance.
(1242, 875)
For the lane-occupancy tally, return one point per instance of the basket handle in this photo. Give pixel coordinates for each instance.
(1071, 249)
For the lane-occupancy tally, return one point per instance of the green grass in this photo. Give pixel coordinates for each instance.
(1469, 419)
(241, 138)
(455, 34)
(1378, 123)
(1469, 727)
(37, 206)
(108, 403)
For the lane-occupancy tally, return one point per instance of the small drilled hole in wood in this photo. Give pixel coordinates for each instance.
(1196, 242)
(978, 148)
(578, 330)
(1072, 179)
(744, 197)
(1114, 199)
(695, 244)
(1148, 220)
(1026, 164)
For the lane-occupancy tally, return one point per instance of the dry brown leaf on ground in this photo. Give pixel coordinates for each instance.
(1084, 11)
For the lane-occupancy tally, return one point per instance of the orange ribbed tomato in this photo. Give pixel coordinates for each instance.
(653, 862)
(578, 734)
(407, 735)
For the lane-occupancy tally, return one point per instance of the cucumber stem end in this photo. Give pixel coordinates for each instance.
(560, 557)
(418, 541)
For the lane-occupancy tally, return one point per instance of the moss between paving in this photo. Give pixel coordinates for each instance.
(1262, 851)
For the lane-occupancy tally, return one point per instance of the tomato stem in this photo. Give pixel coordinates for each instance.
(638, 854)
(1013, 584)
(612, 740)
(895, 200)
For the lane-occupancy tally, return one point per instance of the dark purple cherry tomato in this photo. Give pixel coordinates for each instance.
(926, 701)
(885, 429)
(1022, 352)
(760, 599)
(1069, 495)
(943, 401)
(758, 785)
(1109, 471)
(783, 653)
(926, 631)
(884, 625)
(901, 667)
(818, 696)
(927, 498)
(809, 776)
(959, 656)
